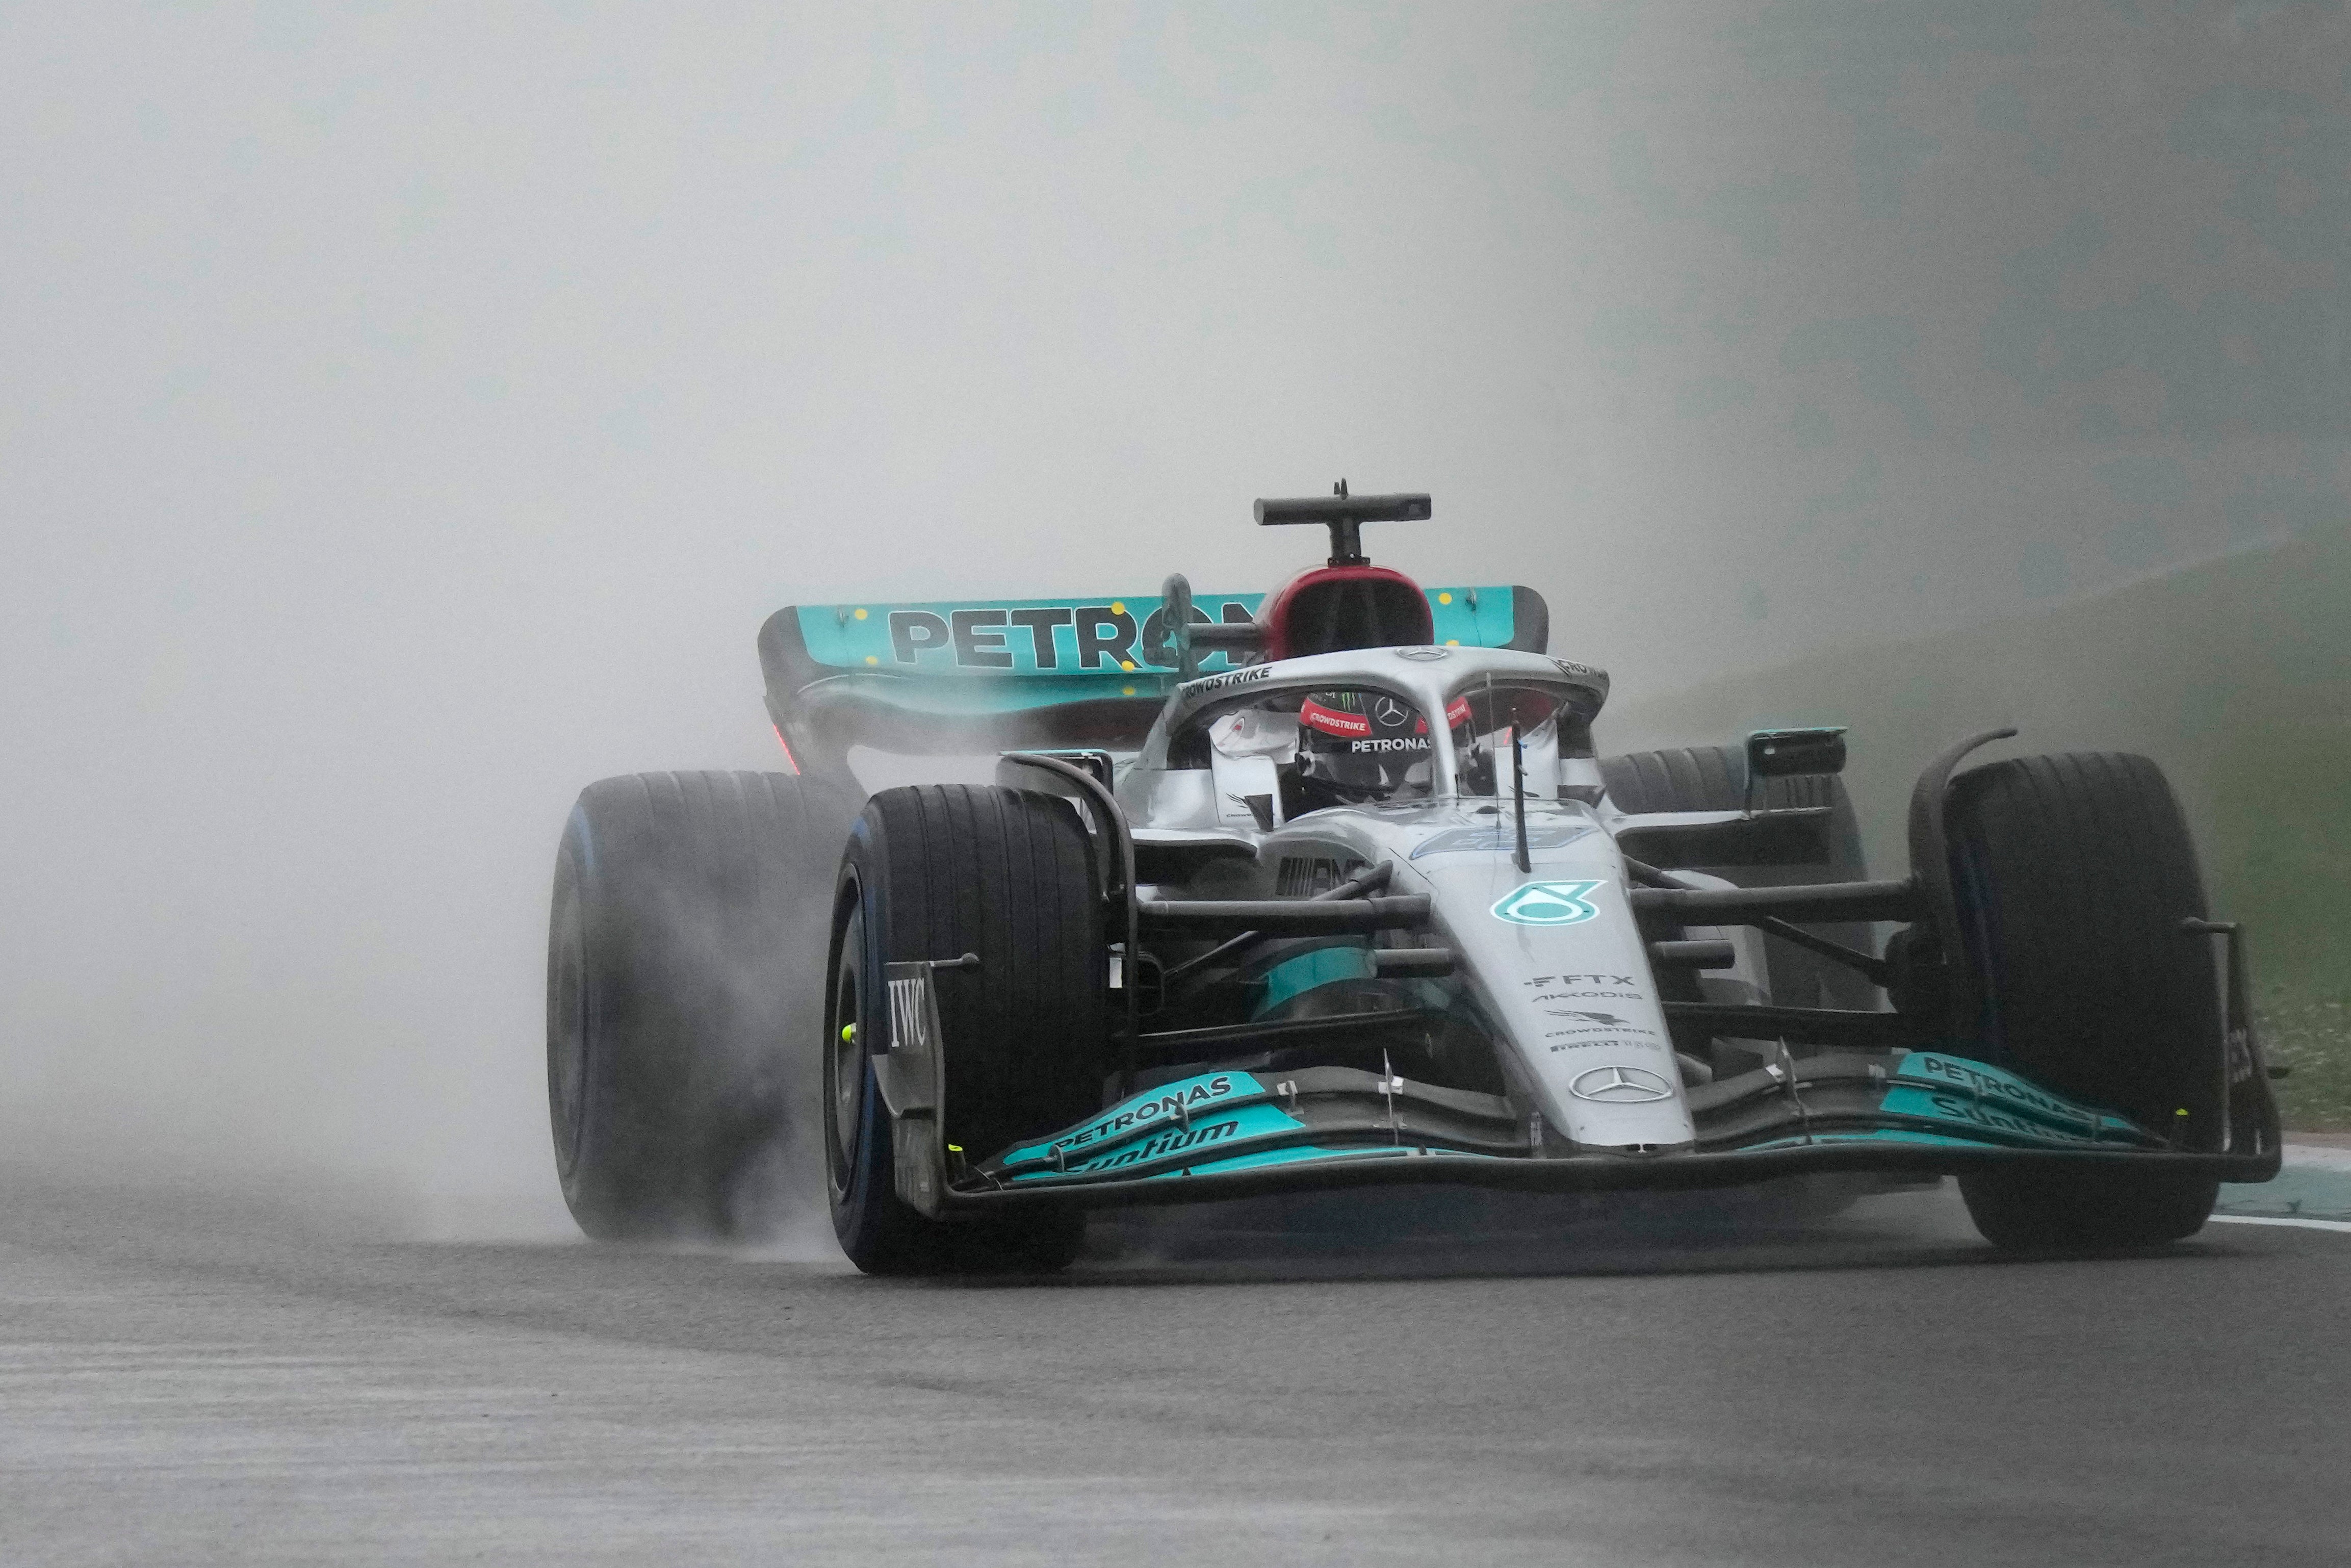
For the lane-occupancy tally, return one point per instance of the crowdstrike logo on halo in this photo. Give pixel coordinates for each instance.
(1549, 904)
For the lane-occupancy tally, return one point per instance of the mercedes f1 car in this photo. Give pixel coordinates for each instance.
(1333, 888)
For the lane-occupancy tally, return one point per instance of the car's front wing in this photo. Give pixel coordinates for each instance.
(1231, 1133)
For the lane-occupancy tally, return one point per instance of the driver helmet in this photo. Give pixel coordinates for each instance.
(1366, 746)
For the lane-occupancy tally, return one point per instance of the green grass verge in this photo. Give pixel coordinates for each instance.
(2278, 857)
(2313, 1038)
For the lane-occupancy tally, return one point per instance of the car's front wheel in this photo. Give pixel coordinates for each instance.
(933, 873)
(2073, 873)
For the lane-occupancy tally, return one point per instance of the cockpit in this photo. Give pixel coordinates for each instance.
(1276, 756)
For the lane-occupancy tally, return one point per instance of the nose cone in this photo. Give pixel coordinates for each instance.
(1561, 967)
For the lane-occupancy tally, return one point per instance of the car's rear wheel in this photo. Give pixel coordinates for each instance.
(933, 873)
(1714, 779)
(2073, 876)
(688, 912)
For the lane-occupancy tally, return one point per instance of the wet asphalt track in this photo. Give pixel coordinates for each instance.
(194, 1378)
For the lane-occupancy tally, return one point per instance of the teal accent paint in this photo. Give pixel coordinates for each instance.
(1294, 976)
(1086, 642)
(1289, 1154)
(1298, 1154)
(1994, 1121)
(959, 696)
(1978, 1105)
(1473, 617)
(1169, 1105)
(1166, 1143)
(1938, 1087)
(1548, 903)
(1086, 639)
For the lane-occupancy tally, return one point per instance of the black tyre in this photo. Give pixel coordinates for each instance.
(1714, 779)
(2072, 875)
(683, 957)
(936, 871)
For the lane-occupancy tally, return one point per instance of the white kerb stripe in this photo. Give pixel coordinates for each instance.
(2281, 1220)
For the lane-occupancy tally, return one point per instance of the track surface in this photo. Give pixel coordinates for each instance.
(190, 1378)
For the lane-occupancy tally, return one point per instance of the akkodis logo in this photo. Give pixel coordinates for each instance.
(1549, 904)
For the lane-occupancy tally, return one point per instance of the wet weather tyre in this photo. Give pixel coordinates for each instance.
(686, 946)
(1714, 779)
(937, 871)
(2072, 875)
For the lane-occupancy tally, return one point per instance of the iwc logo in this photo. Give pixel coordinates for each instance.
(1549, 904)
(1620, 1086)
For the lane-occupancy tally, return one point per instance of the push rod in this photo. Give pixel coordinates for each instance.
(1803, 901)
(1187, 1044)
(1365, 882)
(1282, 917)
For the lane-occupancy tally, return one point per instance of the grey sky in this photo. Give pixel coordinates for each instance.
(411, 411)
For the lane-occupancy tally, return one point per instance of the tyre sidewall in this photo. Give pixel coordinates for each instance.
(568, 999)
(875, 1227)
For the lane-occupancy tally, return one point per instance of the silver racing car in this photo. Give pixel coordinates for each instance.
(1331, 887)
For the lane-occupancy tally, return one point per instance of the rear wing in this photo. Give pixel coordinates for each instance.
(978, 676)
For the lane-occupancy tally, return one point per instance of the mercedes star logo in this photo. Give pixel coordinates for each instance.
(1620, 1086)
(1390, 712)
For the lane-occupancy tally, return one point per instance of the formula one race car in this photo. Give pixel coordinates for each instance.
(1330, 888)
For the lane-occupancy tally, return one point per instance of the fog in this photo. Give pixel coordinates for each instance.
(411, 411)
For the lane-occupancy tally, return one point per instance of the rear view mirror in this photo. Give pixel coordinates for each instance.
(1782, 753)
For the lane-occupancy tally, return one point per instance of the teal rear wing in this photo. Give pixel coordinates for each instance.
(979, 677)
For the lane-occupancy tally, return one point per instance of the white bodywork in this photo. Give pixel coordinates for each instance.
(1571, 992)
